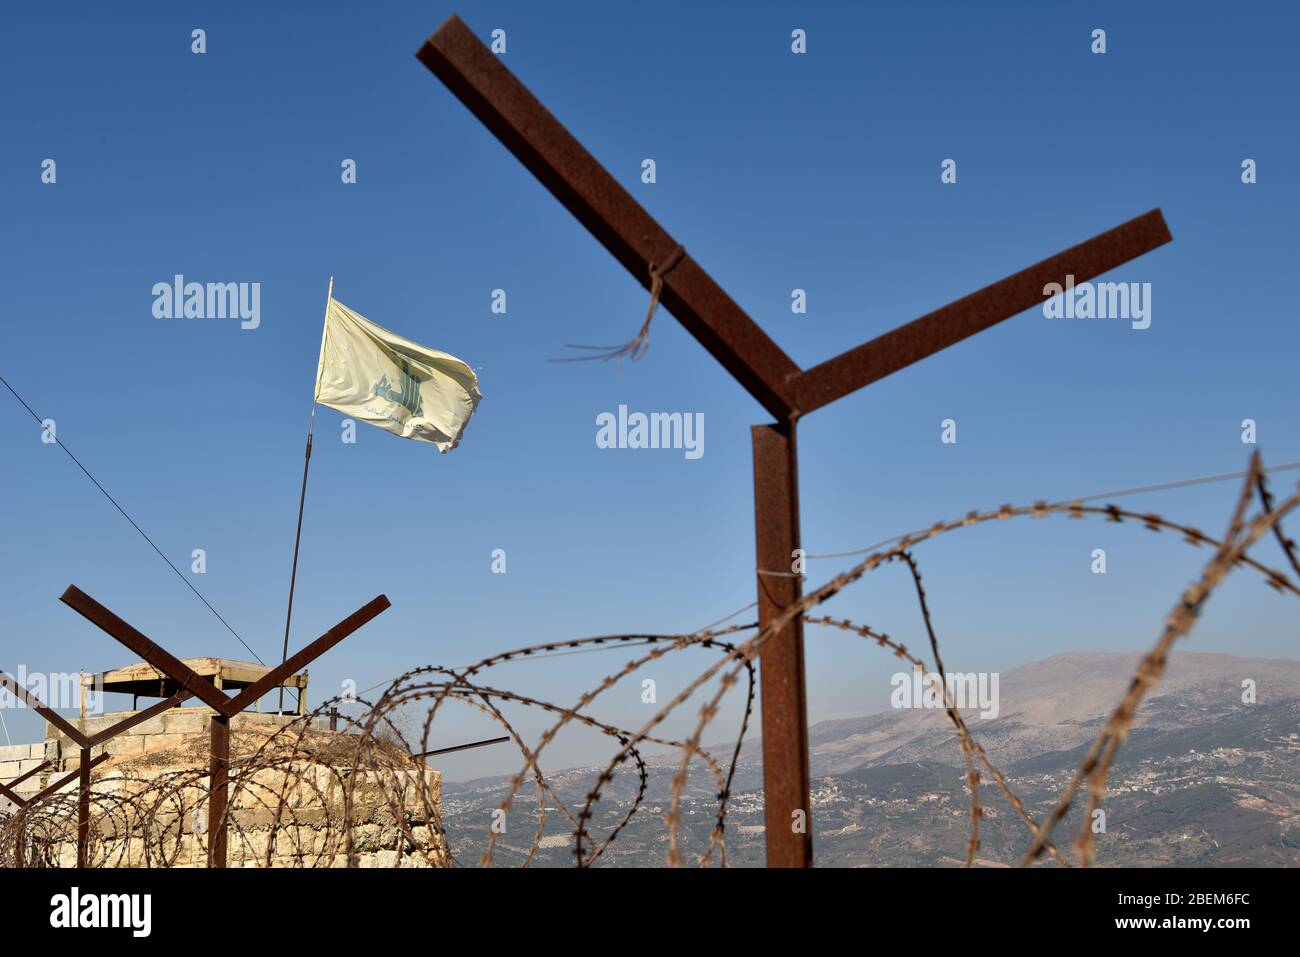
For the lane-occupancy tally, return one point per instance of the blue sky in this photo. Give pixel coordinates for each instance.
(776, 171)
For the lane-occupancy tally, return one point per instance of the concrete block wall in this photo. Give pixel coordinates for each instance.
(305, 839)
(15, 761)
(161, 731)
(388, 819)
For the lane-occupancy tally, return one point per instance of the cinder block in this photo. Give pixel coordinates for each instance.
(125, 745)
(158, 742)
(15, 752)
(81, 724)
(186, 721)
(153, 726)
(252, 718)
(70, 786)
(12, 769)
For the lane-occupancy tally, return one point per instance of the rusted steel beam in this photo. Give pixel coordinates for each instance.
(157, 656)
(505, 106)
(140, 716)
(324, 643)
(218, 788)
(585, 188)
(68, 778)
(464, 747)
(786, 780)
(37, 705)
(958, 320)
(11, 795)
(83, 807)
(28, 774)
(9, 790)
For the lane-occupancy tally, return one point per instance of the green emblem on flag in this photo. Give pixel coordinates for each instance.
(407, 395)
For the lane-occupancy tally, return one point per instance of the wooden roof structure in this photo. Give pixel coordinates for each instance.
(143, 680)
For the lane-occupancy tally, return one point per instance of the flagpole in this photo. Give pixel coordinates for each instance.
(302, 497)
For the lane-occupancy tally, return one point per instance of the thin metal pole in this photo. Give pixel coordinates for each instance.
(462, 747)
(302, 496)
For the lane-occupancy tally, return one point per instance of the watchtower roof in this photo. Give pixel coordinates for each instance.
(143, 680)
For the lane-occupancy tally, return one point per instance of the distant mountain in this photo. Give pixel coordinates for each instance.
(1057, 704)
(1204, 777)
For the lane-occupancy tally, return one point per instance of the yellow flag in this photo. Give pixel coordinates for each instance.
(374, 375)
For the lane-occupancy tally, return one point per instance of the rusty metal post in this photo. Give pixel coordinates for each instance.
(505, 106)
(218, 789)
(83, 806)
(786, 781)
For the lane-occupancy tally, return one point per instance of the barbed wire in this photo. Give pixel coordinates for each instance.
(1095, 497)
(303, 795)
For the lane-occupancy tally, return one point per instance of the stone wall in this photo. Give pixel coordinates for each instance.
(292, 801)
(15, 761)
(161, 731)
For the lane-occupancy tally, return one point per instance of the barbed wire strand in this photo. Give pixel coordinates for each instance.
(1135, 490)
